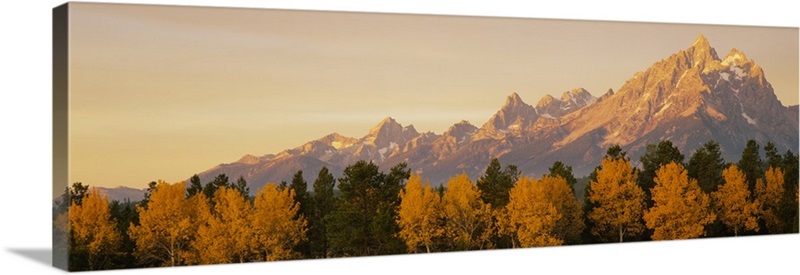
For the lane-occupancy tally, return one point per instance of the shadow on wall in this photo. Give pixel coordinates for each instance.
(41, 255)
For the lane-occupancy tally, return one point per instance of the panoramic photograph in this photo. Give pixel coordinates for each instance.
(227, 135)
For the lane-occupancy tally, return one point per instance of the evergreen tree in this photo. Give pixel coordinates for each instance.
(241, 186)
(750, 164)
(789, 201)
(151, 187)
(194, 187)
(124, 214)
(496, 183)
(386, 228)
(706, 166)
(300, 186)
(219, 181)
(773, 157)
(73, 194)
(324, 202)
(564, 171)
(351, 231)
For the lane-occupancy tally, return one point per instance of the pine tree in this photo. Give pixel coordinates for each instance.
(151, 187)
(299, 187)
(750, 164)
(351, 231)
(706, 166)
(324, 202)
(496, 183)
(773, 157)
(386, 228)
(789, 201)
(241, 187)
(211, 188)
(194, 187)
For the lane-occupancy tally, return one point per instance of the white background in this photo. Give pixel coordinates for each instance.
(25, 151)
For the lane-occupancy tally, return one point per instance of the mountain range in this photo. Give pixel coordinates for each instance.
(689, 98)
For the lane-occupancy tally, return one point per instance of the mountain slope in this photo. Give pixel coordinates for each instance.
(690, 97)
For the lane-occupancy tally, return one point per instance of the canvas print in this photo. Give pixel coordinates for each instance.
(195, 135)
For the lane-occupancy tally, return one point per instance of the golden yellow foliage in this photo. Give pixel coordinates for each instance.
(558, 192)
(769, 194)
(166, 227)
(225, 236)
(468, 218)
(531, 214)
(275, 229)
(619, 200)
(92, 228)
(418, 215)
(681, 210)
(734, 206)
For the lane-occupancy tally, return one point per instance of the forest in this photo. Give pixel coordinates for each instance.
(370, 211)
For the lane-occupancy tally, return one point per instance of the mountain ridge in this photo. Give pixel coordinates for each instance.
(690, 97)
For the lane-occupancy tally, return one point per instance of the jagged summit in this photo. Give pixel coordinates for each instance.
(248, 159)
(338, 141)
(389, 131)
(513, 100)
(701, 52)
(545, 101)
(570, 101)
(689, 98)
(735, 57)
(701, 42)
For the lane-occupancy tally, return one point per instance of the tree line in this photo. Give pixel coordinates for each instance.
(371, 212)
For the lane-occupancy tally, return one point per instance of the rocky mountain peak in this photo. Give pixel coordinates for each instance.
(570, 101)
(337, 140)
(462, 131)
(513, 101)
(389, 131)
(545, 101)
(702, 53)
(735, 57)
(248, 159)
(513, 116)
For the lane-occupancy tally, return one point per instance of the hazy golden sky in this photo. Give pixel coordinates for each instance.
(161, 92)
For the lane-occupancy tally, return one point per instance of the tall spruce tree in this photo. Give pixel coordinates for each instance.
(219, 181)
(706, 165)
(351, 231)
(750, 164)
(300, 186)
(496, 182)
(194, 186)
(324, 202)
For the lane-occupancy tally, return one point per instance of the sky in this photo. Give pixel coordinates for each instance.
(161, 92)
